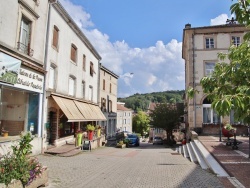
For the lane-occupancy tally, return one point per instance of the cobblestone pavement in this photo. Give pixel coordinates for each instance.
(145, 166)
(235, 162)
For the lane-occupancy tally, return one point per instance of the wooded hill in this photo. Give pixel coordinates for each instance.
(141, 101)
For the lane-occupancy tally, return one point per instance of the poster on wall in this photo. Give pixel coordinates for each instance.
(9, 68)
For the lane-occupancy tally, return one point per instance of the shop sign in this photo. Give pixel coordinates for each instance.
(9, 68)
(30, 80)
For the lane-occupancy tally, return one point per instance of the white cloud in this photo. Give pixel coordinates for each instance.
(219, 20)
(155, 68)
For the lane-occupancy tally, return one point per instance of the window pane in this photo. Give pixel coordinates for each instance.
(216, 118)
(209, 68)
(206, 115)
(73, 53)
(55, 37)
(71, 86)
(51, 77)
(209, 43)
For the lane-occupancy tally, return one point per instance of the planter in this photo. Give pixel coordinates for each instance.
(90, 135)
(227, 133)
(5, 134)
(40, 181)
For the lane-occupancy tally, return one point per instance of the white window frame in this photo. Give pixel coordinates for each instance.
(236, 42)
(52, 73)
(212, 115)
(209, 43)
(72, 86)
(208, 69)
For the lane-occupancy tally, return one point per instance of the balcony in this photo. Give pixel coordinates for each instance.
(25, 49)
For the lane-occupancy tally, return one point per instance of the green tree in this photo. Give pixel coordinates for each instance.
(229, 85)
(165, 116)
(141, 122)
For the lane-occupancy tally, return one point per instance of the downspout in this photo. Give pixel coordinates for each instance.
(45, 77)
(194, 100)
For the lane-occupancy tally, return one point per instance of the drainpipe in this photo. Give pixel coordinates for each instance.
(194, 100)
(45, 65)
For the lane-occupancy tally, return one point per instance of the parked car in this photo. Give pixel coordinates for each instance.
(133, 140)
(157, 140)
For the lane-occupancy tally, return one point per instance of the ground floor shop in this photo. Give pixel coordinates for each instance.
(67, 116)
(21, 96)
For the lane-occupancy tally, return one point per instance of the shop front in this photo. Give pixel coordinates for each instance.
(67, 116)
(21, 91)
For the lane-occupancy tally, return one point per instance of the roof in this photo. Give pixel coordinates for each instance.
(123, 108)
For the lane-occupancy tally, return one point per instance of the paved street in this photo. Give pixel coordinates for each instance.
(144, 166)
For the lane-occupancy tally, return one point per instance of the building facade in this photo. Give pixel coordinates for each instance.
(72, 80)
(124, 118)
(108, 99)
(200, 49)
(22, 71)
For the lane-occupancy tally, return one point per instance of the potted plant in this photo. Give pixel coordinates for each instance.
(90, 129)
(228, 130)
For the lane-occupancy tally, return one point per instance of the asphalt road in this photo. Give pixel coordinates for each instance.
(147, 166)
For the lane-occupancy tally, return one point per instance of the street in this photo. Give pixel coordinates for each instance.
(144, 166)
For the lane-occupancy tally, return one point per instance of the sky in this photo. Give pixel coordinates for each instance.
(141, 40)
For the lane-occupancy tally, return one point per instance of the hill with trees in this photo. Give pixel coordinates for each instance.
(141, 101)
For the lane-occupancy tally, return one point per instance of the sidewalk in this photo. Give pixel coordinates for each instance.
(235, 162)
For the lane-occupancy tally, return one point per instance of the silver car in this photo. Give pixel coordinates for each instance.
(157, 140)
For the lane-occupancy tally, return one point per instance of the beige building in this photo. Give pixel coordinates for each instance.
(124, 118)
(22, 71)
(108, 99)
(201, 46)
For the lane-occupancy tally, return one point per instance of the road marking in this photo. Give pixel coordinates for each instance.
(223, 162)
(235, 182)
(241, 153)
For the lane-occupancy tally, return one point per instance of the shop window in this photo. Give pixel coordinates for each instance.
(23, 45)
(19, 111)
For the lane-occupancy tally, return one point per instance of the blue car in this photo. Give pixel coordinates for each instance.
(133, 140)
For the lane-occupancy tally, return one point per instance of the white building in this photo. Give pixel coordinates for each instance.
(72, 81)
(124, 117)
(108, 99)
(22, 49)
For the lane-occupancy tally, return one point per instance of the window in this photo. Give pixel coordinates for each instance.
(91, 93)
(125, 121)
(83, 89)
(73, 53)
(92, 71)
(209, 68)
(71, 86)
(110, 88)
(51, 77)
(236, 40)
(25, 36)
(55, 37)
(103, 84)
(110, 106)
(233, 120)
(209, 115)
(103, 107)
(84, 62)
(209, 42)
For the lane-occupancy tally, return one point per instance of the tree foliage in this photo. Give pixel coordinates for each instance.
(141, 101)
(141, 123)
(167, 117)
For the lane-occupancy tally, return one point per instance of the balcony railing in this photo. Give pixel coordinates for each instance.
(25, 49)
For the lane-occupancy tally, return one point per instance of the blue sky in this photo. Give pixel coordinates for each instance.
(144, 37)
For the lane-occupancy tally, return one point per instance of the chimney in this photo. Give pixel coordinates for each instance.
(187, 26)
